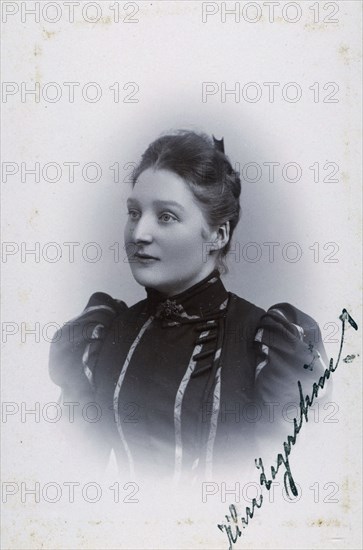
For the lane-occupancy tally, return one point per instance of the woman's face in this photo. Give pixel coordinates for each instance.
(166, 234)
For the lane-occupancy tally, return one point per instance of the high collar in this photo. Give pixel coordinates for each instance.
(199, 300)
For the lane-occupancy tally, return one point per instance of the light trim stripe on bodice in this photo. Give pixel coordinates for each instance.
(214, 419)
(85, 358)
(118, 389)
(178, 407)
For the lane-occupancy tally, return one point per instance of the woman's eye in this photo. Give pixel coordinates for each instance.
(166, 217)
(133, 214)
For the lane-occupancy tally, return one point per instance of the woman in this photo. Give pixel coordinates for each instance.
(182, 380)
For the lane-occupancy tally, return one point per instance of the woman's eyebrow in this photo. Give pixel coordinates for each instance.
(167, 203)
(130, 200)
(157, 203)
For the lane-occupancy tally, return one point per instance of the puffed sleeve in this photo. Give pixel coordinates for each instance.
(75, 347)
(73, 358)
(289, 350)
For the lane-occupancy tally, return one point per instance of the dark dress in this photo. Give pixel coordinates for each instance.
(179, 387)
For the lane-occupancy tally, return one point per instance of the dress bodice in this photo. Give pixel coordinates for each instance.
(183, 382)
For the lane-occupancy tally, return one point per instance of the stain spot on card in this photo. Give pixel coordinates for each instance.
(24, 295)
(48, 34)
(321, 522)
(345, 489)
(37, 50)
(344, 53)
(33, 219)
(350, 358)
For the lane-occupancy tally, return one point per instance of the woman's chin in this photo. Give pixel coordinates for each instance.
(145, 276)
(151, 279)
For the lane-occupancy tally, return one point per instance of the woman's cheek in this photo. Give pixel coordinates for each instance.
(128, 231)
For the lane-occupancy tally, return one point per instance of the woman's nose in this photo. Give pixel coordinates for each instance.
(142, 232)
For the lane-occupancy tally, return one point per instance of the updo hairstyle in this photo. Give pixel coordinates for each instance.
(201, 162)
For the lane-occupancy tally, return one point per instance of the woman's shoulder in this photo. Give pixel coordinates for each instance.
(287, 319)
(290, 341)
(243, 316)
(81, 335)
(102, 304)
(103, 308)
(280, 325)
(283, 313)
(242, 306)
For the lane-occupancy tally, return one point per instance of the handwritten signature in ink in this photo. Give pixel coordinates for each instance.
(306, 402)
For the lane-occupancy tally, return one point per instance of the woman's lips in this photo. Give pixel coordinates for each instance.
(144, 258)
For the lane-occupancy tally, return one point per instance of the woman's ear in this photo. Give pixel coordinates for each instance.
(221, 236)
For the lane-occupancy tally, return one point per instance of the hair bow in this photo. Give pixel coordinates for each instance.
(219, 144)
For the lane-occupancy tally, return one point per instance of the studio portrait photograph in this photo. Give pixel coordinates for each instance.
(181, 275)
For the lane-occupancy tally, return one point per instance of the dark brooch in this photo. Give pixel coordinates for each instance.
(169, 309)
